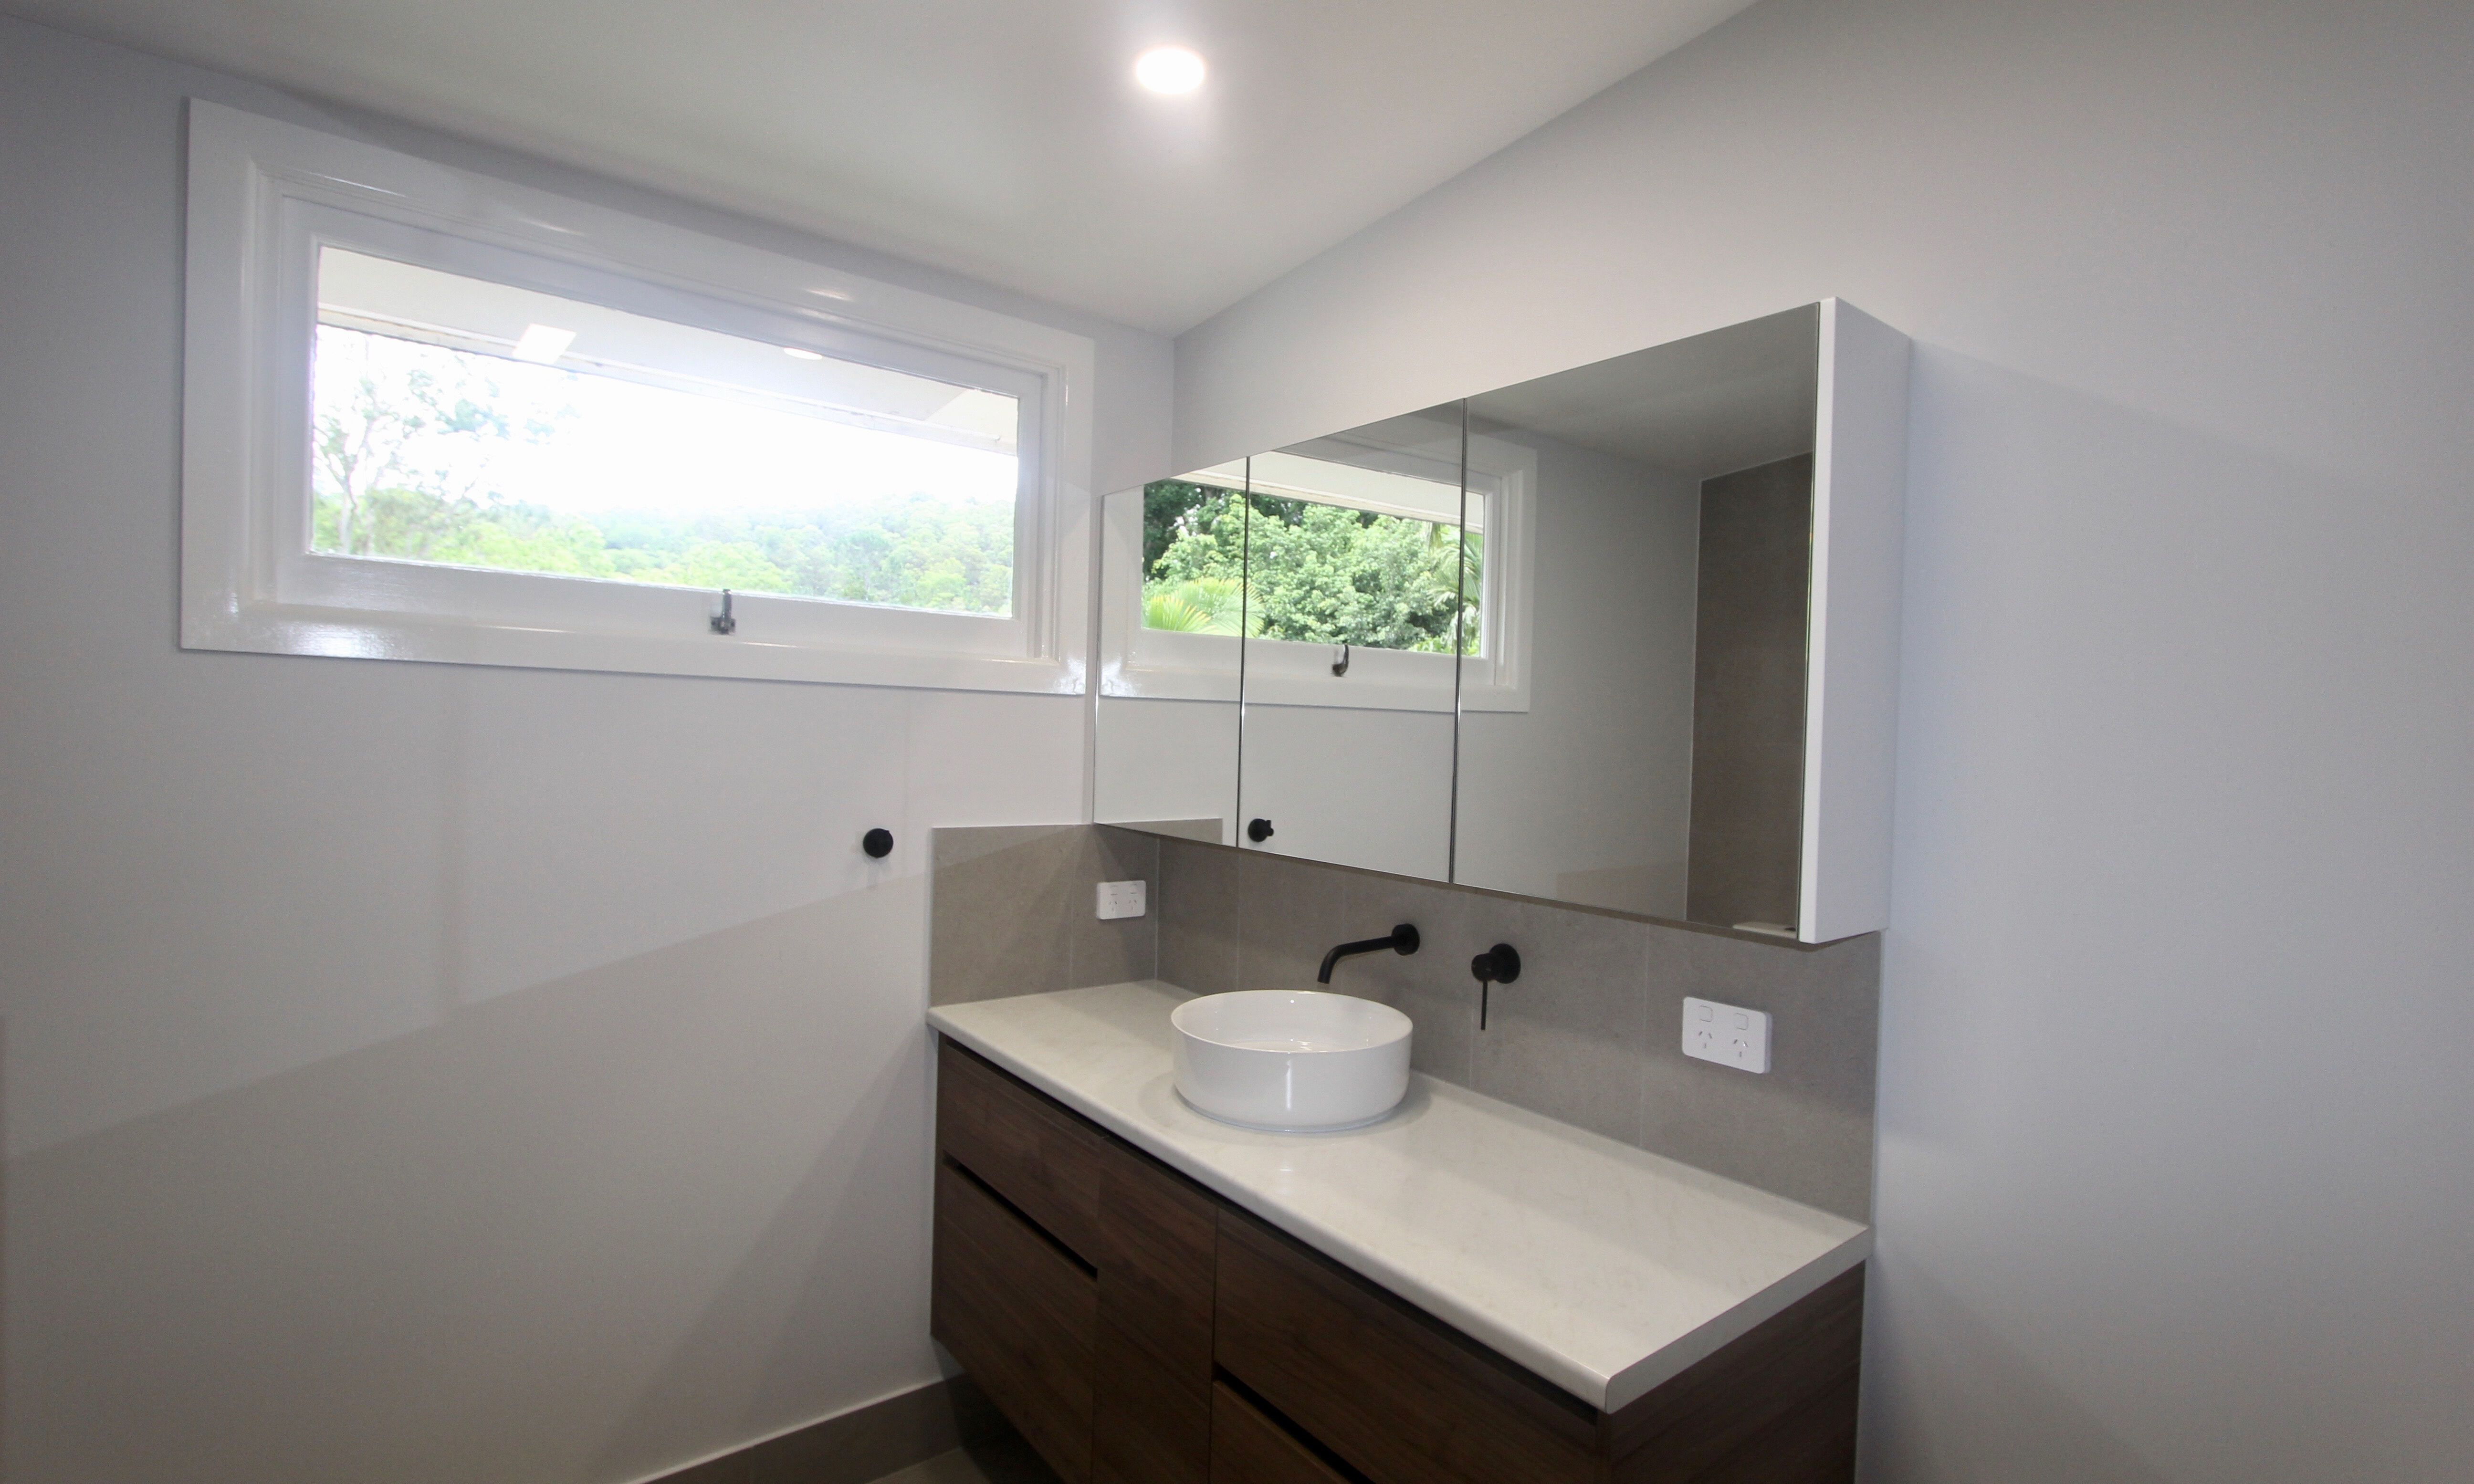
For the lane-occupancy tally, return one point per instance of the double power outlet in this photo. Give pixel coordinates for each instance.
(1728, 1035)
(1124, 899)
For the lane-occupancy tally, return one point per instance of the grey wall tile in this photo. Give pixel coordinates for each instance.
(1590, 1034)
(1198, 917)
(1013, 911)
(1568, 1037)
(1289, 915)
(996, 911)
(1748, 703)
(1123, 948)
(1803, 1128)
(1422, 985)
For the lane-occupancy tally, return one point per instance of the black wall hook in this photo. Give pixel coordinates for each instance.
(722, 622)
(1499, 965)
(877, 842)
(1258, 830)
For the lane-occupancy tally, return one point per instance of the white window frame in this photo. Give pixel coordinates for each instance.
(1141, 662)
(264, 196)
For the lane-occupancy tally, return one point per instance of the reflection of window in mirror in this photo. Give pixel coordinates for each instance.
(1338, 554)
(1194, 554)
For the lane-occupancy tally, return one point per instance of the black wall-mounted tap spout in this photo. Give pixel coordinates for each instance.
(1403, 940)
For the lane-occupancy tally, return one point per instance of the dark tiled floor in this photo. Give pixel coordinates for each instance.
(1008, 1461)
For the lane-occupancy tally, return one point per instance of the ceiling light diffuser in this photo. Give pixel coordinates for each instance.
(543, 344)
(1169, 69)
(800, 353)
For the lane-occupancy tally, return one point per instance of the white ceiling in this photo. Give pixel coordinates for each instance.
(1001, 138)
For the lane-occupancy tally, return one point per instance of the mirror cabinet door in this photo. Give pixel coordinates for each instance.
(1558, 639)
(1643, 749)
(1353, 612)
(1167, 710)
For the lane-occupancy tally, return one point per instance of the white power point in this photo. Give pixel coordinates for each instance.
(1124, 899)
(1728, 1035)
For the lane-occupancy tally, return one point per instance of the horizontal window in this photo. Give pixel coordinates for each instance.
(436, 417)
(472, 424)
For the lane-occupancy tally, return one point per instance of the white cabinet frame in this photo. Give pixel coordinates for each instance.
(1851, 718)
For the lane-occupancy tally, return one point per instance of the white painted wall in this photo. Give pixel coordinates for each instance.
(1351, 784)
(1587, 795)
(421, 1072)
(2174, 1116)
(1158, 759)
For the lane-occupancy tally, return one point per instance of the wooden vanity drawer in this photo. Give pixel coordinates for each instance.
(1248, 1447)
(1156, 1281)
(1020, 1314)
(1029, 1151)
(1397, 1393)
(1778, 1403)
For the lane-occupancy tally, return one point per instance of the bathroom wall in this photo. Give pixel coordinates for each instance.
(1584, 796)
(1591, 1033)
(1364, 785)
(425, 1071)
(1014, 909)
(2186, 793)
(1748, 668)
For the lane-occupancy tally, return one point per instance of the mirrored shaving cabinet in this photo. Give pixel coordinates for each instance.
(1624, 636)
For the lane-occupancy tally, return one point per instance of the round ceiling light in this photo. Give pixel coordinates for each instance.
(1169, 69)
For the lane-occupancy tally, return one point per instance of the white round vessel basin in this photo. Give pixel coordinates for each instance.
(1291, 1059)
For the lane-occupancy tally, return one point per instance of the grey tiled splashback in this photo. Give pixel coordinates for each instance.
(1590, 1034)
(1011, 911)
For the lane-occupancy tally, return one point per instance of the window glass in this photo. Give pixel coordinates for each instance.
(465, 423)
(1287, 547)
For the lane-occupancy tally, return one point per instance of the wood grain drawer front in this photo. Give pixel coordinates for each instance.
(1020, 1315)
(1155, 1279)
(1248, 1447)
(1029, 1150)
(1155, 1379)
(1399, 1396)
(1777, 1404)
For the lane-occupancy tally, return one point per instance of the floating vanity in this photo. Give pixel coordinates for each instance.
(1558, 669)
(1462, 1291)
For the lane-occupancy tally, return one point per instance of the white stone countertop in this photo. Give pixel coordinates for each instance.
(1601, 1267)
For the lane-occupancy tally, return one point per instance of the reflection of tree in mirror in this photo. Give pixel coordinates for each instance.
(1193, 552)
(406, 453)
(1321, 574)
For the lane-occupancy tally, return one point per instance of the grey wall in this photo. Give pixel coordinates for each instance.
(1593, 1032)
(1748, 679)
(1014, 909)
(2174, 1182)
(422, 1072)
